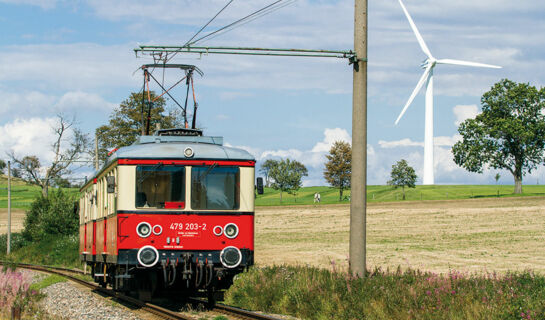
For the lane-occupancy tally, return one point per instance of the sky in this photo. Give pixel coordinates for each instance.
(76, 58)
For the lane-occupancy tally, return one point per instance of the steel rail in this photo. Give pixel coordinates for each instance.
(148, 307)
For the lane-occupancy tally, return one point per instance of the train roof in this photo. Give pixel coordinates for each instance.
(172, 147)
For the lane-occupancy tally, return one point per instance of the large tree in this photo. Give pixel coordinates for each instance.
(402, 176)
(286, 175)
(125, 123)
(509, 133)
(339, 166)
(2, 165)
(68, 147)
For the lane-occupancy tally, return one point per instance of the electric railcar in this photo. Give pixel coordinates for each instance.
(173, 211)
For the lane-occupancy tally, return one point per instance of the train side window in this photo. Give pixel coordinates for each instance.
(161, 187)
(215, 188)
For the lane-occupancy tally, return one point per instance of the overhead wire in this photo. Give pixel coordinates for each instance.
(236, 22)
(278, 7)
(206, 25)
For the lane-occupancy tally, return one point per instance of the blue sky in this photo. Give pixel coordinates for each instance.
(76, 57)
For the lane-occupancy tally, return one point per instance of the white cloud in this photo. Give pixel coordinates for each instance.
(24, 137)
(330, 137)
(400, 143)
(36, 103)
(79, 100)
(464, 112)
(72, 67)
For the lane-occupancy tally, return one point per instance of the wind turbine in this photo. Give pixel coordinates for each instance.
(427, 77)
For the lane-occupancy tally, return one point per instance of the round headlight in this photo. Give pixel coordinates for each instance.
(230, 230)
(218, 230)
(157, 229)
(143, 229)
(188, 152)
(230, 257)
(147, 256)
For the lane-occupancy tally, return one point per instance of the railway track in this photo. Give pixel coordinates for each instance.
(148, 307)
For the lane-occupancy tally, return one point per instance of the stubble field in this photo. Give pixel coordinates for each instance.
(17, 220)
(477, 235)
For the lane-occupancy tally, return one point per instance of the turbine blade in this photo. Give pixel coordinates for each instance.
(419, 85)
(415, 30)
(466, 63)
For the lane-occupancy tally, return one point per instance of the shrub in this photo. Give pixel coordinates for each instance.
(53, 215)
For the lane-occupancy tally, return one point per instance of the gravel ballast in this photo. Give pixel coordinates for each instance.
(66, 301)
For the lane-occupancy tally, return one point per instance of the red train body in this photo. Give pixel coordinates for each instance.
(170, 212)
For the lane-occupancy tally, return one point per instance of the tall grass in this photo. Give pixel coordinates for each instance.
(312, 293)
(53, 250)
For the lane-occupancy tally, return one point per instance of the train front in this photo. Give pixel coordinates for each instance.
(185, 214)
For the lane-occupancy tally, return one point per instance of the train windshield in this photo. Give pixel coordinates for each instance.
(215, 188)
(160, 187)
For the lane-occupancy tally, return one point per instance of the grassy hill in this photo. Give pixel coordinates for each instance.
(22, 193)
(387, 193)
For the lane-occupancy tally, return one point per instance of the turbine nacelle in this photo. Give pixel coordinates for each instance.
(428, 62)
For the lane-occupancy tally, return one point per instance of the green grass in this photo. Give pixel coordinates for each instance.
(375, 193)
(22, 193)
(312, 293)
(47, 281)
(56, 250)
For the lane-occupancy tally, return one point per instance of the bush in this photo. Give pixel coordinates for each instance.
(53, 215)
(17, 242)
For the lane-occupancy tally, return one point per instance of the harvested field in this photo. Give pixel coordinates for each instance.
(467, 235)
(17, 220)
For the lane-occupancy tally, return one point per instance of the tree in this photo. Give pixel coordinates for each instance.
(286, 175)
(2, 165)
(497, 177)
(508, 134)
(266, 168)
(69, 146)
(402, 176)
(125, 123)
(339, 166)
(54, 215)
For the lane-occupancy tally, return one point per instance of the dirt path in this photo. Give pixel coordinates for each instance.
(467, 235)
(17, 219)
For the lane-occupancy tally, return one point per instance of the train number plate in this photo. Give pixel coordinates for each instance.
(188, 229)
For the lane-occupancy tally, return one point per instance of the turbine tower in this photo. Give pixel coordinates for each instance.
(427, 77)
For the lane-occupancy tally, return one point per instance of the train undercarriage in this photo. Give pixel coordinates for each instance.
(183, 274)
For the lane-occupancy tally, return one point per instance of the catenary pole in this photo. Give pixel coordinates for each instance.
(359, 144)
(9, 209)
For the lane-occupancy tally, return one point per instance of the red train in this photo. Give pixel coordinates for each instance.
(174, 211)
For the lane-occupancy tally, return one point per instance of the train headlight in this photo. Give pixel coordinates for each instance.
(188, 152)
(157, 229)
(230, 257)
(143, 229)
(230, 230)
(218, 230)
(147, 256)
